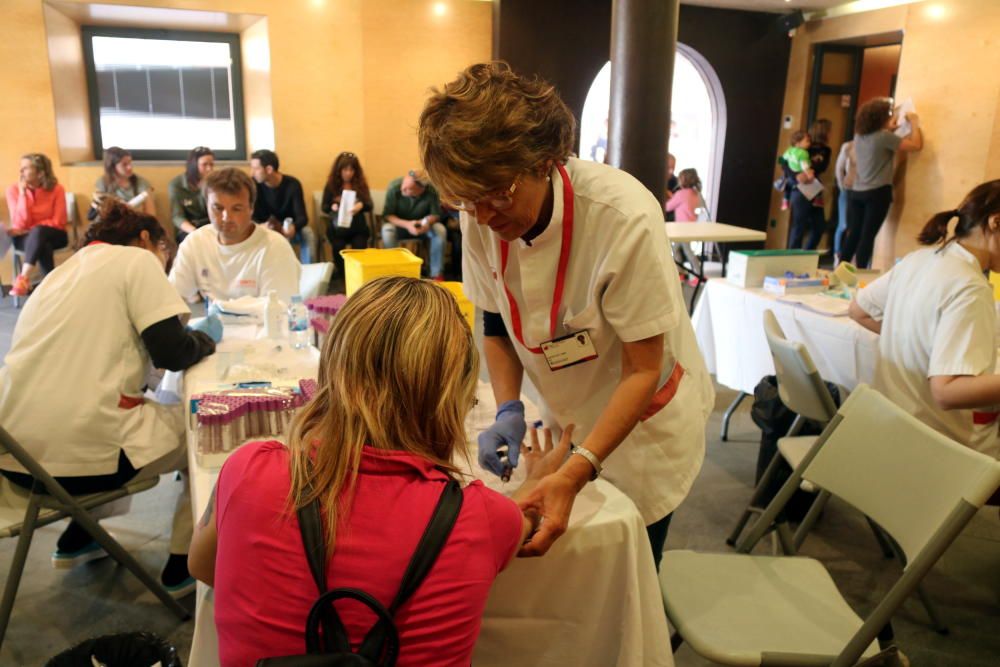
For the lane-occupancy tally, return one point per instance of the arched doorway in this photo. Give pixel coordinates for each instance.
(697, 125)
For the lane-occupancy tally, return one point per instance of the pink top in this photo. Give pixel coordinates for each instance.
(263, 588)
(37, 207)
(683, 203)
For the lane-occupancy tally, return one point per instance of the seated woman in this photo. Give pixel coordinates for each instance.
(346, 174)
(121, 181)
(936, 316)
(187, 196)
(378, 442)
(71, 388)
(37, 206)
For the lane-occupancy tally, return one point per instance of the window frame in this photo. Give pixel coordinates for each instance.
(88, 32)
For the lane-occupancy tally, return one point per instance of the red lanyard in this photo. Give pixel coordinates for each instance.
(557, 292)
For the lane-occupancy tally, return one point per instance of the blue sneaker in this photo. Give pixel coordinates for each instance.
(64, 560)
(182, 589)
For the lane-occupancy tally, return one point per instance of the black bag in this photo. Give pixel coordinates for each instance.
(380, 647)
(131, 649)
(774, 420)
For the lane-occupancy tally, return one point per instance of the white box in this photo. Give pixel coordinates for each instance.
(747, 268)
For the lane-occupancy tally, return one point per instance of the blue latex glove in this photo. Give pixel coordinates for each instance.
(507, 431)
(210, 325)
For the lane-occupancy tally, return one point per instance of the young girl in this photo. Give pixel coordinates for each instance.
(936, 316)
(685, 203)
(377, 444)
(346, 174)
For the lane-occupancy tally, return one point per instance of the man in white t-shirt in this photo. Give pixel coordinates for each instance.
(233, 257)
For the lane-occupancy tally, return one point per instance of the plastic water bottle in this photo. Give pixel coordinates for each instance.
(298, 323)
(272, 316)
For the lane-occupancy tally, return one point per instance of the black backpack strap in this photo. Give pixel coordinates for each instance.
(431, 542)
(311, 526)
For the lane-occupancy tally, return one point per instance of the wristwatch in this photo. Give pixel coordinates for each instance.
(591, 458)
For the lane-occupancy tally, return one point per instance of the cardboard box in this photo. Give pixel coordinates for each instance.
(748, 268)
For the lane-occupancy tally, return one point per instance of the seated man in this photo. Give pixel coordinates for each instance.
(413, 211)
(233, 257)
(279, 197)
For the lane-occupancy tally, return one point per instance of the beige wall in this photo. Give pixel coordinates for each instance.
(949, 65)
(345, 75)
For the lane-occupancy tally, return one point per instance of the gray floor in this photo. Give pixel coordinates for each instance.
(56, 609)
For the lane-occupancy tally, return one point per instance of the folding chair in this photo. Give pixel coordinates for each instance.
(22, 511)
(803, 391)
(314, 279)
(920, 486)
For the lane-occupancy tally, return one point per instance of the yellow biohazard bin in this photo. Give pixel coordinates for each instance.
(362, 266)
(464, 305)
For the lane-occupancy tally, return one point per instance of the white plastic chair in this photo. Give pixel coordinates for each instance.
(314, 279)
(920, 486)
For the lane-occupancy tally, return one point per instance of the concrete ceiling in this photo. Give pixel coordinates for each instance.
(780, 6)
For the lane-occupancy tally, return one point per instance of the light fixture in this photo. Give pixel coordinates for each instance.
(440, 8)
(936, 11)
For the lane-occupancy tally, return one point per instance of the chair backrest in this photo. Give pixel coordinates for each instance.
(378, 202)
(318, 213)
(800, 386)
(72, 219)
(314, 278)
(903, 474)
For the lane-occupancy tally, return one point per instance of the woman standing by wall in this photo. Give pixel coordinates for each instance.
(875, 147)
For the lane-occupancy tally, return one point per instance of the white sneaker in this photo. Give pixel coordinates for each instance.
(64, 560)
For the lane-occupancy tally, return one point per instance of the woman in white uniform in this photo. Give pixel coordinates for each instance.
(71, 389)
(571, 264)
(937, 320)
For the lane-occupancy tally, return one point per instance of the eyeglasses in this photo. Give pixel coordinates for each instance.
(346, 154)
(500, 200)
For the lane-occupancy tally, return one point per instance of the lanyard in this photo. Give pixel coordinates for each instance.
(557, 292)
(97, 243)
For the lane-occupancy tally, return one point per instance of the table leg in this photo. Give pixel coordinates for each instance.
(728, 414)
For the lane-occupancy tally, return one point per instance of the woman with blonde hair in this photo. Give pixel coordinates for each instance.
(553, 248)
(37, 207)
(375, 446)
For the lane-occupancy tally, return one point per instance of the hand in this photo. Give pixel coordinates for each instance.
(551, 498)
(288, 233)
(912, 118)
(507, 431)
(543, 460)
(335, 207)
(416, 227)
(21, 185)
(211, 325)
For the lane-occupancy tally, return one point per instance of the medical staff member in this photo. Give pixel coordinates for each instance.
(71, 389)
(936, 316)
(571, 264)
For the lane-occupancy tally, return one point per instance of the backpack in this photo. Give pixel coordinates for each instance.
(380, 647)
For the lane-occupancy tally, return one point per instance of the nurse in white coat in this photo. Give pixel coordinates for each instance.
(936, 316)
(570, 262)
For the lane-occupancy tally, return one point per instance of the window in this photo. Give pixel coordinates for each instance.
(697, 121)
(159, 93)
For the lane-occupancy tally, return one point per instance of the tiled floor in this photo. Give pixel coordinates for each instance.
(56, 609)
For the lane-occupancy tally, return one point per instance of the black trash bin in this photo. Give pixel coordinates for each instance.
(130, 649)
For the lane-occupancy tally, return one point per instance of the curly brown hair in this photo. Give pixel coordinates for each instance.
(489, 126)
(335, 182)
(119, 224)
(873, 115)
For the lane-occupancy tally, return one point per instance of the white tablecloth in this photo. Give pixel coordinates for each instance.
(712, 232)
(592, 600)
(728, 323)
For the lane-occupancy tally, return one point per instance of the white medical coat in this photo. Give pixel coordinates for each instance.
(938, 318)
(621, 286)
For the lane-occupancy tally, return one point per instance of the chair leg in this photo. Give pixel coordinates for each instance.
(883, 543)
(17, 566)
(936, 623)
(810, 519)
(728, 414)
(753, 506)
(125, 558)
(675, 642)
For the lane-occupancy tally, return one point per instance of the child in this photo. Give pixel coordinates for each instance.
(796, 158)
(685, 203)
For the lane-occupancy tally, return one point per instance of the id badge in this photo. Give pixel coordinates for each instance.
(570, 350)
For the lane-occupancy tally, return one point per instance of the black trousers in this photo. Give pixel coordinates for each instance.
(76, 486)
(866, 211)
(657, 533)
(807, 222)
(39, 244)
(356, 236)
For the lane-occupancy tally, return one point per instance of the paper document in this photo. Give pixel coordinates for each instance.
(904, 129)
(811, 190)
(830, 306)
(347, 201)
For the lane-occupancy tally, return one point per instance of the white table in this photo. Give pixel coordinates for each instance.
(728, 324)
(592, 600)
(710, 232)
